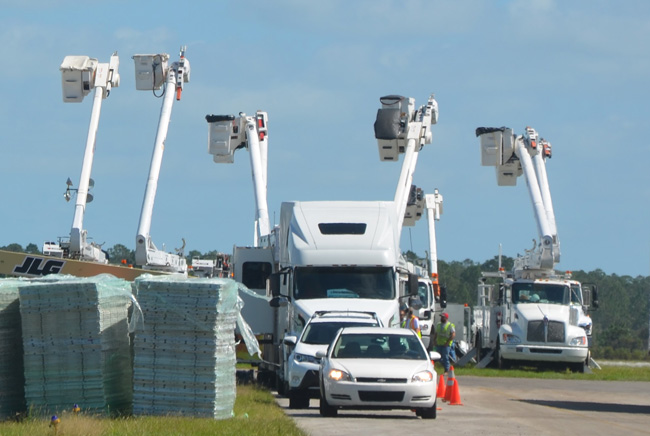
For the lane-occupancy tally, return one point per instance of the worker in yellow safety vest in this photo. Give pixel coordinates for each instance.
(444, 338)
(409, 320)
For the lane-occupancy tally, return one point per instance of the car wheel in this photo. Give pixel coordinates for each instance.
(298, 399)
(326, 409)
(281, 386)
(429, 413)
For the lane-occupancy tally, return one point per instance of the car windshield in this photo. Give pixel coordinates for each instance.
(344, 282)
(322, 333)
(379, 346)
(540, 293)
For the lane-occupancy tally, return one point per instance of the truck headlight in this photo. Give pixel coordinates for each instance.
(580, 340)
(508, 338)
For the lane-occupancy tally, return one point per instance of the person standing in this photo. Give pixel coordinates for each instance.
(411, 321)
(443, 338)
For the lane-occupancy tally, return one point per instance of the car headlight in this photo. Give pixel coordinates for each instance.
(338, 375)
(510, 339)
(422, 377)
(306, 358)
(580, 340)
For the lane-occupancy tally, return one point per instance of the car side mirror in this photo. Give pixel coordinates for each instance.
(290, 340)
(435, 356)
(320, 354)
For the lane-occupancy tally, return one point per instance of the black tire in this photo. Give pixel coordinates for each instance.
(429, 413)
(578, 367)
(478, 345)
(298, 399)
(326, 409)
(281, 386)
(501, 362)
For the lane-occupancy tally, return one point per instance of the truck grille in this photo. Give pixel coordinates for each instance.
(378, 396)
(536, 331)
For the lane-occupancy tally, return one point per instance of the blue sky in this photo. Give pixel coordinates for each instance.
(577, 71)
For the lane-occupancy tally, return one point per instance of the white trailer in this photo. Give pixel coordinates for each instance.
(533, 314)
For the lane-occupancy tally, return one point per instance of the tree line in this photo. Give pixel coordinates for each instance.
(621, 323)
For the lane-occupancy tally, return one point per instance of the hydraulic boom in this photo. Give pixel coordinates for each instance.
(80, 74)
(151, 72)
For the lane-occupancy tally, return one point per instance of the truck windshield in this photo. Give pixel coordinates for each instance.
(344, 282)
(576, 294)
(423, 293)
(540, 293)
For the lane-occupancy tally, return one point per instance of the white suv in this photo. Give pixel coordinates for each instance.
(320, 330)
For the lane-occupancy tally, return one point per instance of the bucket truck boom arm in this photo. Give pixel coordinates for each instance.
(400, 128)
(80, 74)
(513, 155)
(151, 73)
(227, 134)
(434, 210)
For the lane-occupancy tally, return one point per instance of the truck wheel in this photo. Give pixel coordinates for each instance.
(478, 346)
(429, 413)
(326, 409)
(578, 367)
(298, 399)
(501, 362)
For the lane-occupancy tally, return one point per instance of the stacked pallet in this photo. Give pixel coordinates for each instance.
(184, 353)
(12, 393)
(76, 344)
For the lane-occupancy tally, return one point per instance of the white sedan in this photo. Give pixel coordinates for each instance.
(377, 368)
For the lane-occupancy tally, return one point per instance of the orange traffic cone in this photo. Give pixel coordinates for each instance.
(450, 384)
(454, 399)
(441, 387)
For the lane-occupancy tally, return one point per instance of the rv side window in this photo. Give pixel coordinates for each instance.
(254, 274)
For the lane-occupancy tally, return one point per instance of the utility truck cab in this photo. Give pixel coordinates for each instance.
(545, 322)
(335, 255)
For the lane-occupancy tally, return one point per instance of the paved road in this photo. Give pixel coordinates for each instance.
(504, 407)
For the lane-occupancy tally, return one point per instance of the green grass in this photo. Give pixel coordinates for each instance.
(255, 413)
(607, 372)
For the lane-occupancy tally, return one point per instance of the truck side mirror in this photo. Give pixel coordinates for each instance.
(274, 285)
(413, 285)
(279, 302)
(594, 297)
(443, 296)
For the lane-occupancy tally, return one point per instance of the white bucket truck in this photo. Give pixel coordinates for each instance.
(533, 314)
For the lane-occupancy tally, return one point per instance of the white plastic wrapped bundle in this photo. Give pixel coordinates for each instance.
(76, 344)
(184, 353)
(12, 392)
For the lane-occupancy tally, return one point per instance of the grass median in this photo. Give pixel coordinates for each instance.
(255, 413)
(607, 372)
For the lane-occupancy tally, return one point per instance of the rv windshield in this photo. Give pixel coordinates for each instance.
(540, 293)
(344, 282)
